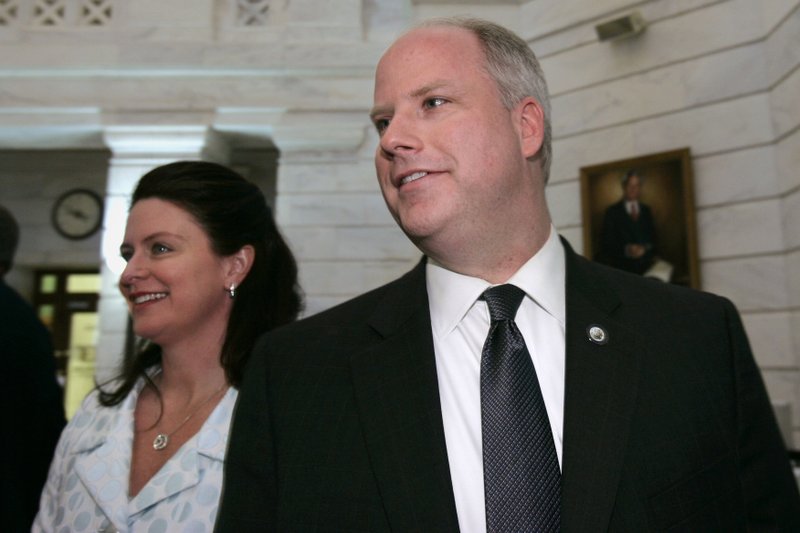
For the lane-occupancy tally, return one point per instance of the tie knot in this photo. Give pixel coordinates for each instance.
(503, 301)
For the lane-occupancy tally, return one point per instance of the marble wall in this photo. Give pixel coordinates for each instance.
(152, 81)
(722, 79)
(30, 183)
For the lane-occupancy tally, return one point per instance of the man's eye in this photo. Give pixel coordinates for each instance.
(381, 124)
(434, 102)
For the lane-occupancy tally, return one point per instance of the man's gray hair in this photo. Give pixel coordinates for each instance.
(515, 69)
(9, 238)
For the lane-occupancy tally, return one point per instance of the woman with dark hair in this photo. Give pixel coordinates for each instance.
(207, 273)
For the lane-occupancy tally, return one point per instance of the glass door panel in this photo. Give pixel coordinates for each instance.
(80, 369)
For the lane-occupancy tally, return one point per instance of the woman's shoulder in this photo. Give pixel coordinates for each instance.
(93, 420)
(90, 405)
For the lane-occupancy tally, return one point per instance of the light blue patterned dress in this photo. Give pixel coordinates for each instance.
(87, 489)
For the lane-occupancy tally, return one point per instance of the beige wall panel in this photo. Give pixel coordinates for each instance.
(739, 176)
(787, 162)
(791, 219)
(355, 176)
(668, 41)
(793, 275)
(564, 200)
(353, 243)
(332, 278)
(326, 210)
(725, 126)
(785, 104)
(740, 229)
(784, 386)
(546, 16)
(770, 337)
(782, 48)
(754, 284)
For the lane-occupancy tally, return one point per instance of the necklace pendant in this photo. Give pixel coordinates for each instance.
(160, 442)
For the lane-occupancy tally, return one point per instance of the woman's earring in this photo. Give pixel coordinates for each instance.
(232, 291)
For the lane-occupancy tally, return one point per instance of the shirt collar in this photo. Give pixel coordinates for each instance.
(115, 420)
(542, 277)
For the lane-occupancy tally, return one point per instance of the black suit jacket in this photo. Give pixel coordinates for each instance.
(339, 427)
(32, 407)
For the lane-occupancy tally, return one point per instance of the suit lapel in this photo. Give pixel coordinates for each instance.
(397, 397)
(601, 391)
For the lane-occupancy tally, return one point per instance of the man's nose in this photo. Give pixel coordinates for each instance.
(401, 135)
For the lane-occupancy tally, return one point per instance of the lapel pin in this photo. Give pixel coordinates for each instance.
(597, 334)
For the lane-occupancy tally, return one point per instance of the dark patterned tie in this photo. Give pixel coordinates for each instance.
(522, 479)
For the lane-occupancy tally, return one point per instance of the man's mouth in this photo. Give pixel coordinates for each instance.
(413, 177)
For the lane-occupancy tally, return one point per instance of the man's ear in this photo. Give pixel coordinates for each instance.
(531, 126)
(238, 265)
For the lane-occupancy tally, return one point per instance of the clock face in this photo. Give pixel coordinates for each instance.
(77, 214)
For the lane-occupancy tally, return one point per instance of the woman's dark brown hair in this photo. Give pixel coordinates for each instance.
(233, 213)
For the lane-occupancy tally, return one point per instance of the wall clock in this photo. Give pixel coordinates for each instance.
(77, 214)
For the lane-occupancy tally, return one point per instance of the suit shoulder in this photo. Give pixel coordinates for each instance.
(656, 293)
(408, 290)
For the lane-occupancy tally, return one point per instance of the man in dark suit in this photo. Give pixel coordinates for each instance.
(371, 416)
(29, 395)
(628, 234)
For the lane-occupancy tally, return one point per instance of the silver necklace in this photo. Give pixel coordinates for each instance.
(162, 439)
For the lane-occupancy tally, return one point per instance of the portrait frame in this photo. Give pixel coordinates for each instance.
(667, 188)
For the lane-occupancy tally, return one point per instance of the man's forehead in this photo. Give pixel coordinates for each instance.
(430, 37)
(431, 61)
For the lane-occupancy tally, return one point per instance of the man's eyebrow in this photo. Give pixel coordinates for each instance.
(429, 88)
(379, 110)
(417, 93)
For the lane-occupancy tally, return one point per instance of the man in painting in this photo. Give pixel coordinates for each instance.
(628, 234)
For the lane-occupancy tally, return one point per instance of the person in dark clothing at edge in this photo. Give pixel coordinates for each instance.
(31, 398)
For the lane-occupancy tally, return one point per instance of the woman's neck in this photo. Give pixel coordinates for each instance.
(191, 370)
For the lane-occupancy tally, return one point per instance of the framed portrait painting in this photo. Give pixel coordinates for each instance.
(639, 216)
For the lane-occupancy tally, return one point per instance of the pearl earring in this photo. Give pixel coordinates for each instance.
(232, 291)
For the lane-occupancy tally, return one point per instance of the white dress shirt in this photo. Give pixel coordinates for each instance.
(460, 323)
